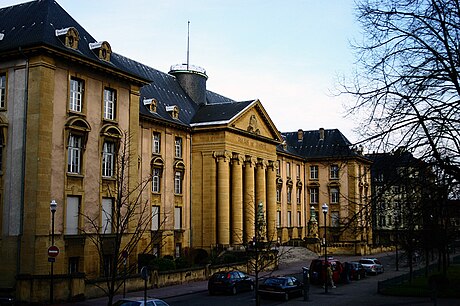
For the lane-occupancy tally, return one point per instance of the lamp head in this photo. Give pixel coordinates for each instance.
(53, 206)
(312, 208)
(325, 208)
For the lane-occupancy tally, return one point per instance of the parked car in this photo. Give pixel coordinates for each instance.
(318, 271)
(139, 301)
(230, 282)
(372, 265)
(282, 287)
(356, 270)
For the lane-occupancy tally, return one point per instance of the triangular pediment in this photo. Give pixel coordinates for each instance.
(255, 120)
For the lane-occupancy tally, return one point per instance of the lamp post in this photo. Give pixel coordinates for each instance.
(396, 217)
(325, 208)
(53, 207)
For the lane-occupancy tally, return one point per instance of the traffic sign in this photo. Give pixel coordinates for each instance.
(53, 251)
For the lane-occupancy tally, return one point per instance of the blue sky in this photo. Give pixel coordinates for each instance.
(288, 54)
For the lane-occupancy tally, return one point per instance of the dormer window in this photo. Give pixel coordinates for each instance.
(102, 49)
(173, 110)
(69, 37)
(151, 104)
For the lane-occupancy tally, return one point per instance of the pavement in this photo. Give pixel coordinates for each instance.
(345, 294)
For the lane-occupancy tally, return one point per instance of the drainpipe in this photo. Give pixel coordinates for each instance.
(23, 170)
(190, 192)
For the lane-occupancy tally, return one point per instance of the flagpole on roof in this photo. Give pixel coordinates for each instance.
(188, 44)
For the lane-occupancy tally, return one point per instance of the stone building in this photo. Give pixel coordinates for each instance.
(317, 167)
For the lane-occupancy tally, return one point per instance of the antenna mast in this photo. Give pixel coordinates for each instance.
(188, 44)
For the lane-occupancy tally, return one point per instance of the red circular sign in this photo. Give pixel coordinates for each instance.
(53, 251)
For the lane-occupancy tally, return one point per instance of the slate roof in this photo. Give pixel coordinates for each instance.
(34, 24)
(334, 144)
(388, 163)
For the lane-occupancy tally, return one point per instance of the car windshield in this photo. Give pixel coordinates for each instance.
(220, 276)
(366, 261)
(275, 281)
(127, 303)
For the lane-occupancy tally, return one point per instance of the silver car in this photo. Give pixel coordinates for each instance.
(372, 265)
(139, 301)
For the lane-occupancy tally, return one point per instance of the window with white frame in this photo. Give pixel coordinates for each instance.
(108, 159)
(314, 172)
(299, 219)
(156, 180)
(289, 194)
(297, 171)
(76, 95)
(156, 141)
(107, 213)
(72, 215)
(178, 182)
(178, 147)
(177, 218)
(278, 218)
(109, 103)
(334, 172)
(278, 168)
(314, 195)
(335, 219)
(74, 154)
(298, 195)
(288, 169)
(289, 219)
(334, 195)
(155, 218)
(278, 194)
(2, 90)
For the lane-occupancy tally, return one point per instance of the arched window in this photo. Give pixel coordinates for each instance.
(77, 130)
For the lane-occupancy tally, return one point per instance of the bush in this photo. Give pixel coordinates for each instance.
(163, 264)
(181, 263)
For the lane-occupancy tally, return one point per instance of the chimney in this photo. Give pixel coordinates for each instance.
(192, 79)
(321, 133)
(300, 135)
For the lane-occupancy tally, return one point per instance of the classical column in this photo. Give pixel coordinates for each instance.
(237, 199)
(260, 186)
(271, 201)
(223, 197)
(249, 199)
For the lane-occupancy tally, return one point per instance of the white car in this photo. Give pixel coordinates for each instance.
(139, 301)
(372, 265)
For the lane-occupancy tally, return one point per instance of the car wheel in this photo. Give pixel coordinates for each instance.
(286, 296)
(234, 290)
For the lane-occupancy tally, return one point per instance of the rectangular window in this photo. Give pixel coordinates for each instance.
(178, 147)
(289, 194)
(334, 195)
(297, 171)
(298, 194)
(156, 143)
(334, 172)
(155, 218)
(278, 218)
(107, 212)
(156, 250)
(178, 251)
(177, 218)
(2, 145)
(109, 104)
(314, 172)
(73, 264)
(2, 90)
(278, 194)
(107, 265)
(288, 169)
(278, 168)
(72, 215)
(108, 159)
(74, 154)
(313, 195)
(76, 95)
(335, 218)
(156, 180)
(178, 182)
(289, 219)
(299, 219)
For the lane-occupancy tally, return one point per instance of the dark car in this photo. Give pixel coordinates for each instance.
(283, 287)
(230, 282)
(356, 270)
(318, 270)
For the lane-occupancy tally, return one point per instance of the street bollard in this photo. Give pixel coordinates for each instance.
(306, 283)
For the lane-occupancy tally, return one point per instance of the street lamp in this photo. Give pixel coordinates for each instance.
(53, 207)
(325, 208)
(396, 219)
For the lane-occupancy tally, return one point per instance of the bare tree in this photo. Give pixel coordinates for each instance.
(407, 83)
(121, 232)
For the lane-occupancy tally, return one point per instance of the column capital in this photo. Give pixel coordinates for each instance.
(237, 158)
(249, 161)
(271, 165)
(222, 156)
(262, 163)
